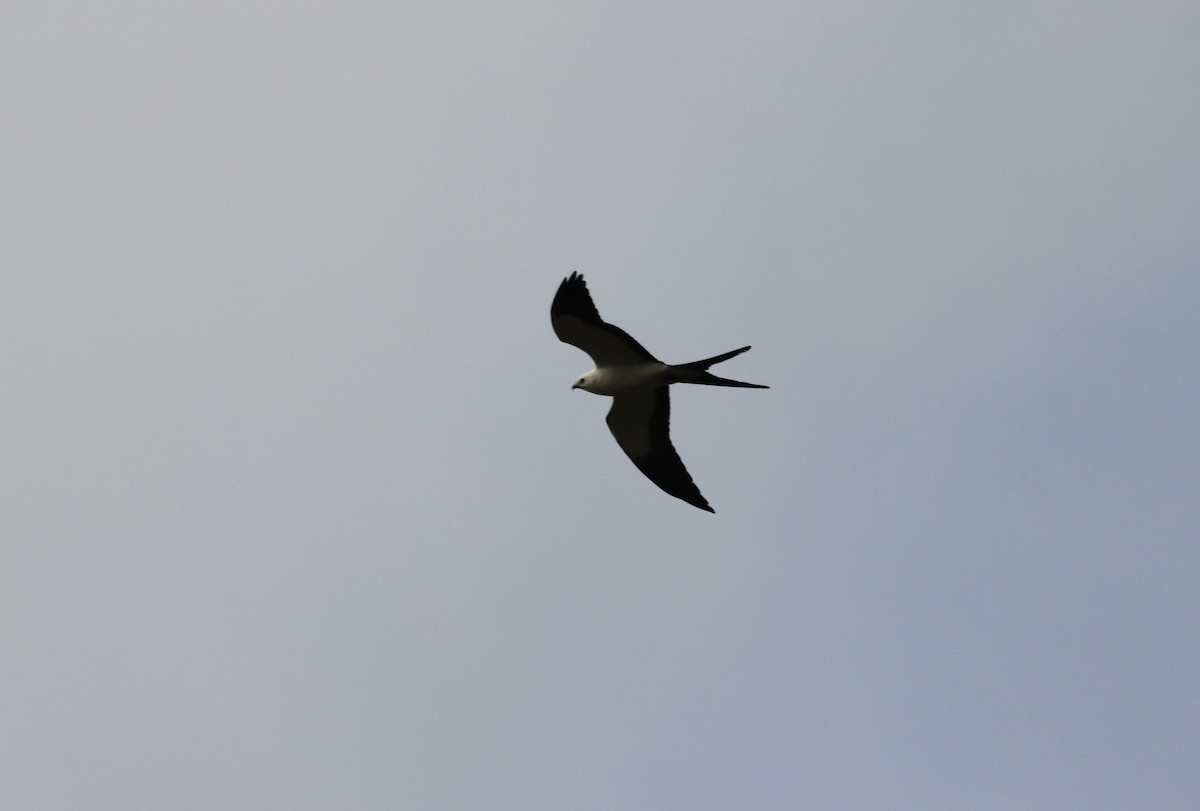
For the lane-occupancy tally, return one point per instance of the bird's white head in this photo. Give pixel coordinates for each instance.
(586, 381)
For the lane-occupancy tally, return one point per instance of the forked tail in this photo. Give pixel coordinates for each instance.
(697, 372)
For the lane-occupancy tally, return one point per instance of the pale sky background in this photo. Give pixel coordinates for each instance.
(300, 511)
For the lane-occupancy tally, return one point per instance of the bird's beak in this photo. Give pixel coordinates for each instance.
(574, 386)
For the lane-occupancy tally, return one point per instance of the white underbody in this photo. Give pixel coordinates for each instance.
(612, 380)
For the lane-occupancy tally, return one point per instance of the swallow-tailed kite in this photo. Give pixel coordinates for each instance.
(638, 383)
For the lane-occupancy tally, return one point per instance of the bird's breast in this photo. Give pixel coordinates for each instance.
(612, 380)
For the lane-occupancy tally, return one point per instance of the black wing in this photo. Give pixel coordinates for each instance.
(640, 420)
(577, 322)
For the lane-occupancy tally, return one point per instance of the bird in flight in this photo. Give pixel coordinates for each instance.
(640, 417)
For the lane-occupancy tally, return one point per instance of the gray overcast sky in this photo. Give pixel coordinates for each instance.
(300, 512)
